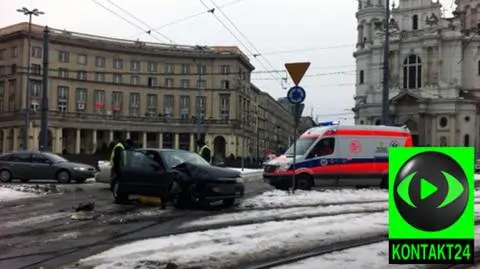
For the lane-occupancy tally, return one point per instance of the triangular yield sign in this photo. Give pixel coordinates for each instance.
(296, 71)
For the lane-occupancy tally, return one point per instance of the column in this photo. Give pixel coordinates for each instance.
(192, 142)
(58, 144)
(127, 135)
(176, 141)
(5, 133)
(453, 131)
(77, 141)
(144, 140)
(16, 131)
(433, 131)
(160, 140)
(94, 141)
(110, 137)
(36, 136)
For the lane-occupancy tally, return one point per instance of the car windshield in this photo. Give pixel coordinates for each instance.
(55, 158)
(303, 144)
(174, 158)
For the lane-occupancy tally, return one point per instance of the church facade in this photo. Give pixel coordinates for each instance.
(434, 64)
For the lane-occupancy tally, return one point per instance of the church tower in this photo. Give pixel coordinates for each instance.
(369, 12)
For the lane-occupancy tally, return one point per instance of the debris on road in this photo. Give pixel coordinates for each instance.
(85, 207)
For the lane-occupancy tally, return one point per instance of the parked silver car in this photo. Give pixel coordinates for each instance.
(28, 165)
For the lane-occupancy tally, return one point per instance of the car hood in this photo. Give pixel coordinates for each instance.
(208, 172)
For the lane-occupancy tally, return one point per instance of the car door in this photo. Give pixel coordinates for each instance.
(137, 173)
(162, 175)
(43, 167)
(20, 165)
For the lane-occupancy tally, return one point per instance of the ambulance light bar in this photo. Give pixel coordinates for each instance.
(328, 123)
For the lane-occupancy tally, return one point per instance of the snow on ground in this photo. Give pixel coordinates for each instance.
(229, 247)
(34, 220)
(267, 215)
(278, 198)
(8, 194)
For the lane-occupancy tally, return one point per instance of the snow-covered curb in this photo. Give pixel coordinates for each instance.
(8, 194)
(234, 246)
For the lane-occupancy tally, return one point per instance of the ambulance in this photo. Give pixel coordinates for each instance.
(332, 155)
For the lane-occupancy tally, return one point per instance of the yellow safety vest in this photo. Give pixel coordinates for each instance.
(112, 155)
(200, 152)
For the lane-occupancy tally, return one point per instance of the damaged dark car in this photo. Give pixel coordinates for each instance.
(179, 176)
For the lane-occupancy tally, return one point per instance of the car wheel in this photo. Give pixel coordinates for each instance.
(119, 196)
(303, 182)
(180, 199)
(228, 202)
(63, 176)
(5, 176)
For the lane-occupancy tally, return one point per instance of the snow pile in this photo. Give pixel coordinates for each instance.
(8, 194)
(231, 247)
(278, 198)
(33, 188)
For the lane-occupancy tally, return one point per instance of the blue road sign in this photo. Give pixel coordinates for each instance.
(296, 95)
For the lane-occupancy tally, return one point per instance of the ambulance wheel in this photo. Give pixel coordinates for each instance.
(384, 182)
(304, 182)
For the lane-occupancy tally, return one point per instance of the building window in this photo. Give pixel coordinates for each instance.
(36, 88)
(81, 59)
(152, 67)
(117, 63)
(361, 77)
(99, 101)
(412, 72)
(37, 52)
(225, 69)
(134, 80)
(224, 107)
(100, 77)
(200, 106)
(185, 83)
(466, 140)
(135, 65)
(168, 106)
(100, 61)
(81, 98)
(201, 84)
(184, 107)
(63, 73)
(117, 102)
(169, 68)
(443, 122)
(63, 56)
(415, 22)
(82, 75)
(226, 84)
(152, 82)
(117, 79)
(3, 53)
(36, 69)
(169, 82)
(134, 104)
(201, 69)
(62, 98)
(151, 105)
(14, 52)
(185, 69)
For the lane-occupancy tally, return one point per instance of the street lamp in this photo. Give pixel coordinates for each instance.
(28, 13)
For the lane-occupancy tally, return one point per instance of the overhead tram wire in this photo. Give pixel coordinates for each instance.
(123, 18)
(304, 50)
(242, 34)
(140, 21)
(186, 18)
(240, 41)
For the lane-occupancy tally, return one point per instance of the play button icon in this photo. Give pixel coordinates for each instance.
(426, 189)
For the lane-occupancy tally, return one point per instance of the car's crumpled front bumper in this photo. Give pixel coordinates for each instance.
(215, 191)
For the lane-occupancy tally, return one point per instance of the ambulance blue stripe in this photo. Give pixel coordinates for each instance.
(338, 161)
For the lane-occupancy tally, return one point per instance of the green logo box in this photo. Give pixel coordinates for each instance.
(431, 205)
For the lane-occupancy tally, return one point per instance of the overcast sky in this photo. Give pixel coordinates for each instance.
(322, 32)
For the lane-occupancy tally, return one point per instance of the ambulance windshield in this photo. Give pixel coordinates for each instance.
(303, 144)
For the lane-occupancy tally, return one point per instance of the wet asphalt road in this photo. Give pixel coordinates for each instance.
(41, 232)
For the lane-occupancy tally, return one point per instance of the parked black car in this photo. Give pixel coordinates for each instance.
(183, 177)
(27, 165)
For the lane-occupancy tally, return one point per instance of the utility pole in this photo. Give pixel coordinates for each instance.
(26, 132)
(44, 116)
(386, 66)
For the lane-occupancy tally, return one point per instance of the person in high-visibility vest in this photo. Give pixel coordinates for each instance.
(204, 150)
(117, 156)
